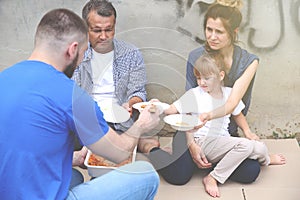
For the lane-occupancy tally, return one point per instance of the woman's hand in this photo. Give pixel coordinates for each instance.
(204, 117)
(198, 156)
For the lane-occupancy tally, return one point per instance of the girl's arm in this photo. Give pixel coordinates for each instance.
(196, 152)
(241, 121)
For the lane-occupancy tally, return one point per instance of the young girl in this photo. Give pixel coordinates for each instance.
(213, 138)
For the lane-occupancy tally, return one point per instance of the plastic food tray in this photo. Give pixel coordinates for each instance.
(95, 171)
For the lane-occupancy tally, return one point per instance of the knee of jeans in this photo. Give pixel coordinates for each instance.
(148, 167)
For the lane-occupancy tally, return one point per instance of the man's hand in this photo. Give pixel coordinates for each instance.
(148, 120)
(128, 108)
(79, 157)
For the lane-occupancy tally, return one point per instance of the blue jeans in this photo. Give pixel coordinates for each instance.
(137, 180)
(77, 178)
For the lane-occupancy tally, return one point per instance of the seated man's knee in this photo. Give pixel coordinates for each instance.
(146, 167)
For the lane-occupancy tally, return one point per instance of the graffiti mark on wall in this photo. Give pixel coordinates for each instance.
(190, 15)
(271, 47)
(295, 5)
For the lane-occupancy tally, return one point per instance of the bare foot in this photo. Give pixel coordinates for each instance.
(146, 144)
(277, 159)
(168, 149)
(79, 157)
(211, 186)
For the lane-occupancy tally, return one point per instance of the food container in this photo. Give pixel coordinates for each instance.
(95, 171)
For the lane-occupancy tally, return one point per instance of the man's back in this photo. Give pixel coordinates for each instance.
(34, 135)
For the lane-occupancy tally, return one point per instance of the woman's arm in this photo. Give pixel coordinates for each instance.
(238, 91)
(171, 110)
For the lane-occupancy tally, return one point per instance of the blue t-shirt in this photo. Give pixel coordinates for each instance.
(41, 112)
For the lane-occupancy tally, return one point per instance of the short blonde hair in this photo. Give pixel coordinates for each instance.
(209, 63)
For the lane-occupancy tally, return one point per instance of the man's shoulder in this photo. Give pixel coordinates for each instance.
(121, 44)
(126, 50)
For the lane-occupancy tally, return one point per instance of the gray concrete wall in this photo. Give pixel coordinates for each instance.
(167, 30)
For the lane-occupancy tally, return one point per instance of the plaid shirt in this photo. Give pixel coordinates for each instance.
(129, 75)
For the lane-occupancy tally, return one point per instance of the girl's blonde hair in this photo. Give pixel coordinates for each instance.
(209, 63)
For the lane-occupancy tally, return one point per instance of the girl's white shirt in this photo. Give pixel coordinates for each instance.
(197, 101)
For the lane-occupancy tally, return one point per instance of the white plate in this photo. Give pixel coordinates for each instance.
(113, 112)
(182, 122)
(140, 106)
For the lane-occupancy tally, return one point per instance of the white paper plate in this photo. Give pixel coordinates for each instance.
(141, 105)
(113, 112)
(182, 122)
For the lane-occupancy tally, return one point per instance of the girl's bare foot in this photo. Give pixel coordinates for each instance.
(277, 159)
(211, 186)
(146, 144)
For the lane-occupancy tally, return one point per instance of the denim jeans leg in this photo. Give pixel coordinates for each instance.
(138, 180)
(77, 178)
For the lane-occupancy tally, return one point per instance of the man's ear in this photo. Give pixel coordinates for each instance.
(72, 50)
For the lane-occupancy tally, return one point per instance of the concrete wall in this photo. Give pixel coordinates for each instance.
(167, 30)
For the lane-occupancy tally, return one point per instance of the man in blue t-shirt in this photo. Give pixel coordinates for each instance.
(42, 111)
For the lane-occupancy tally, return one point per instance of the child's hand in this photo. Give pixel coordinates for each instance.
(251, 136)
(196, 128)
(154, 100)
(198, 156)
